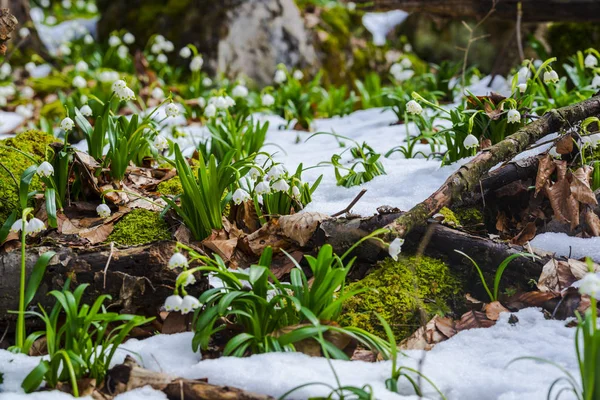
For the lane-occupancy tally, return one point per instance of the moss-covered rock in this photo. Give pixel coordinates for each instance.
(469, 216)
(449, 217)
(140, 226)
(401, 292)
(171, 187)
(36, 144)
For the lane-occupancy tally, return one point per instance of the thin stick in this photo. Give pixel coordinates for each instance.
(472, 39)
(519, 36)
(112, 246)
(352, 203)
(4, 167)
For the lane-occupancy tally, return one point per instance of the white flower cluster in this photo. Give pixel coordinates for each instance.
(6, 92)
(196, 64)
(402, 71)
(161, 45)
(86, 111)
(108, 76)
(551, 77)
(217, 103)
(275, 180)
(34, 225)
(175, 302)
(239, 91)
(124, 93)
(5, 71)
(589, 285)
(25, 111)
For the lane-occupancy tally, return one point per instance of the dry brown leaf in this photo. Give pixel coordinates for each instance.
(593, 222)
(559, 194)
(300, 227)
(580, 186)
(474, 319)
(429, 335)
(565, 145)
(224, 248)
(493, 310)
(530, 299)
(97, 234)
(546, 168)
(559, 275)
(526, 234)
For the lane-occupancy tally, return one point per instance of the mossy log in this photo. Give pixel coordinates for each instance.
(467, 178)
(137, 278)
(533, 10)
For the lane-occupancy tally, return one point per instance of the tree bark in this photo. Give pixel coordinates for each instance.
(533, 10)
(8, 23)
(20, 10)
(468, 177)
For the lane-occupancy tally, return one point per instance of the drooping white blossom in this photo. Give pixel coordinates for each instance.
(240, 196)
(395, 248)
(103, 211)
(67, 124)
(173, 303)
(45, 169)
(178, 260)
(513, 116)
(412, 107)
(470, 141)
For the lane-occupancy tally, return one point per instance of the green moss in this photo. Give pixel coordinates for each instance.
(449, 217)
(33, 142)
(469, 216)
(171, 187)
(140, 226)
(401, 292)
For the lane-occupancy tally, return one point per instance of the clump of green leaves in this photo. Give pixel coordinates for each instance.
(83, 345)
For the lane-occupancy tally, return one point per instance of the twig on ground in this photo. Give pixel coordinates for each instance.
(352, 203)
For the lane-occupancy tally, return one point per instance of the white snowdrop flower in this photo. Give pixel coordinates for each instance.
(79, 82)
(395, 248)
(5, 70)
(229, 102)
(118, 85)
(30, 67)
(114, 41)
(17, 226)
(590, 285)
(260, 199)
(172, 110)
(45, 169)
(45, 3)
(160, 39)
(178, 260)
(240, 196)
(122, 51)
(24, 32)
(281, 186)
(88, 39)
(161, 143)
(66, 4)
(406, 63)
(24, 111)
(27, 92)
(280, 76)
(254, 173)
(103, 211)
(34, 226)
(470, 141)
(296, 193)
(50, 20)
(275, 172)
(91, 8)
(157, 93)
(189, 279)
(210, 111)
(262, 188)
(239, 91)
(522, 87)
(126, 94)
(81, 66)
(80, 4)
(189, 304)
(407, 48)
(267, 100)
(201, 102)
(67, 124)
(129, 38)
(513, 116)
(196, 63)
(298, 75)
(396, 69)
(86, 110)
(550, 77)
(173, 303)
(412, 107)
(156, 48)
(161, 58)
(590, 61)
(207, 82)
(553, 153)
(83, 99)
(404, 75)
(168, 46)
(185, 52)
(596, 81)
(351, 6)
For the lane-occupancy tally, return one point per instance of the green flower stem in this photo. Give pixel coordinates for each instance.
(20, 339)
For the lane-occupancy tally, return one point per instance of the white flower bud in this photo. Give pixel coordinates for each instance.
(550, 77)
(239, 91)
(185, 52)
(67, 124)
(513, 116)
(81, 66)
(590, 61)
(79, 82)
(412, 107)
(296, 193)
(17, 226)
(114, 41)
(161, 143)
(280, 76)
(196, 63)
(161, 58)
(590, 285)
(267, 100)
(281, 186)
(103, 211)
(522, 87)
(158, 93)
(172, 110)
(395, 248)
(262, 188)
(470, 141)
(45, 169)
(86, 111)
(596, 81)
(129, 38)
(298, 75)
(207, 82)
(178, 260)
(275, 172)
(210, 111)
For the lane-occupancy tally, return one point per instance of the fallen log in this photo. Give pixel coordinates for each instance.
(467, 178)
(533, 10)
(137, 278)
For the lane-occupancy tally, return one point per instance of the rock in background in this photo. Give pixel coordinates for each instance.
(235, 36)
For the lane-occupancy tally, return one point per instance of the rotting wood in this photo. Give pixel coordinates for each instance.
(467, 178)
